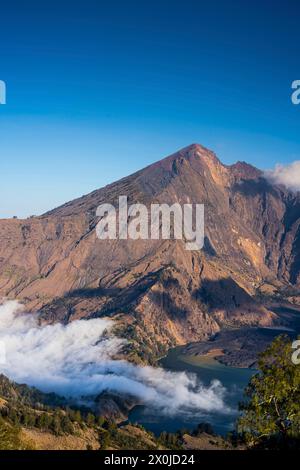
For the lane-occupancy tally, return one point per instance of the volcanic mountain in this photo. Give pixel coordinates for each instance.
(159, 293)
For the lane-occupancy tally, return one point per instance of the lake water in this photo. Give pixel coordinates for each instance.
(207, 369)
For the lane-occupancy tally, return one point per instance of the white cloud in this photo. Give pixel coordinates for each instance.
(287, 175)
(77, 360)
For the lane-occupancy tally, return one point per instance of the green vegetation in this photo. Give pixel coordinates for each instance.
(126, 441)
(10, 437)
(104, 439)
(25, 407)
(171, 441)
(271, 412)
(56, 421)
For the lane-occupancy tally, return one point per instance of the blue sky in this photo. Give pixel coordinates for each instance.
(97, 90)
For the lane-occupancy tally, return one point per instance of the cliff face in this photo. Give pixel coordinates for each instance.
(161, 292)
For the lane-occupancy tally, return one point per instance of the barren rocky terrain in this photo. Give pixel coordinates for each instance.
(160, 294)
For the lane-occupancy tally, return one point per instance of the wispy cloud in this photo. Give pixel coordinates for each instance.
(287, 175)
(77, 360)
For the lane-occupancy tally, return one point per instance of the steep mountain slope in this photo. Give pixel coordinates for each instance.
(159, 293)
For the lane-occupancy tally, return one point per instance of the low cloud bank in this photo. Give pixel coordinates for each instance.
(77, 360)
(287, 175)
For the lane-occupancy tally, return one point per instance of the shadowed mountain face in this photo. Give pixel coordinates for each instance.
(156, 289)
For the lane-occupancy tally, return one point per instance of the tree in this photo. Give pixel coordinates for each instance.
(14, 417)
(100, 420)
(56, 424)
(44, 421)
(111, 428)
(66, 425)
(90, 419)
(271, 412)
(104, 440)
(28, 419)
(77, 416)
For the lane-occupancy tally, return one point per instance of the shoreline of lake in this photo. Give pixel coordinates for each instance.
(207, 369)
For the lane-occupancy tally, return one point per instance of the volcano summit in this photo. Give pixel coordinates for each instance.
(159, 294)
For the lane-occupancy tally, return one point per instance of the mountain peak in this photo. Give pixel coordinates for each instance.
(193, 152)
(196, 149)
(245, 170)
(57, 265)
